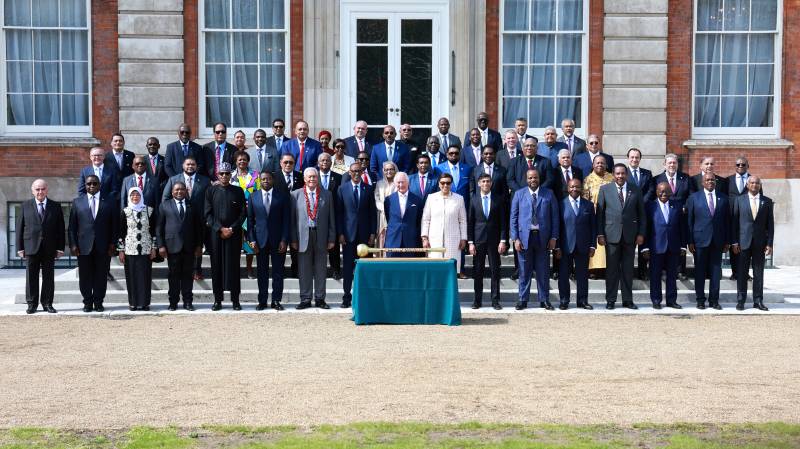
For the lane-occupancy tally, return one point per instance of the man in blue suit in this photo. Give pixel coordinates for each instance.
(584, 161)
(389, 150)
(577, 237)
(358, 141)
(356, 223)
(708, 217)
(666, 238)
(424, 181)
(534, 231)
(403, 211)
(550, 147)
(460, 172)
(304, 149)
(181, 149)
(268, 219)
(679, 183)
(472, 152)
(106, 175)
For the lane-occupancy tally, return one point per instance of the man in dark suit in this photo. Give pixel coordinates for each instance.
(331, 181)
(196, 187)
(389, 150)
(403, 211)
(472, 153)
(753, 232)
(577, 237)
(107, 175)
(575, 144)
(424, 181)
(666, 239)
(643, 179)
(518, 168)
(497, 173)
(707, 212)
(288, 179)
(460, 172)
(707, 166)
(444, 136)
(119, 159)
(584, 161)
(179, 237)
(488, 136)
(550, 146)
(534, 230)
(562, 173)
(358, 141)
(509, 151)
(621, 225)
(263, 157)
(737, 186)
(141, 178)
(304, 149)
(679, 183)
(268, 220)
(93, 224)
(487, 232)
(406, 135)
(181, 149)
(155, 163)
(356, 223)
(521, 127)
(434, 151)
(218, 151)
(275, 141)
(40, 241)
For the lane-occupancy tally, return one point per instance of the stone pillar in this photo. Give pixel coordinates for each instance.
(635, 78)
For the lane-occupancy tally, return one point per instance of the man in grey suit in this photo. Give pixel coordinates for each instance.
(445, 137)
(753, 231)
(313, 234)
(621, 225)
(575, 144)
(262, 156)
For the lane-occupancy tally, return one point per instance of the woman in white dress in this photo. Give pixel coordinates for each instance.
(384, 188)
(444, 222)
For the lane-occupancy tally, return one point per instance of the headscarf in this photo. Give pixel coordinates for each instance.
(326, 149)
(136, 207)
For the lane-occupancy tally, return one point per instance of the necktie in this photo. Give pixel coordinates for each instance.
(483, 138)
(422, 184)
(279, 142)
(267, 203)
(141, 185)
(181, 210)
(402, 205)
(302, 152)
(569, 144)
(477, 153)
(636, 176)
(217, 160)
(621, 197)
(185, 150)
(567, 177)
(489, 170)
(444, 142)
(325, 181)
(356, 194)
(153, 164)
(454, 172)
(365, 178)
(665, 211)
(530, 164)
(119, 160)
(672, 184)
(740, 183)
(41, 211)
(754, 207)
(486, 206)
(360, 145)
(93, 207)
(289, 182)
(189, 186)
(711, 203)
(261, 158)
(575, 207)
(534, 218)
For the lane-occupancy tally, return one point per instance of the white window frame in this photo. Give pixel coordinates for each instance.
(585, 73)
(28, 130)
(208, 132)
(744, 132)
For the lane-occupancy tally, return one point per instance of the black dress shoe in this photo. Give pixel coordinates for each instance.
(521, 305)
(563, 306)
(303, 305)
(701, 306)
(145, 308)
(514, 276)
(630, 305)
(554, 276)
(133, 308)
(173, 307)
(497, 306)
(336, 275)
(50, 309)
(216, 306)
(716, 306)
(674, 305)
(189, 307)
(30, 310)
(261, 307)
(99, 308)
(762, 307)
(587, 306)
(236, 305)
(87, 309)
(476, 305)
(732, 278)
(657, 306)
(322, 305)
(346, 303)
(276, 305)
(740, 305)
(610, 305)
(546, 305)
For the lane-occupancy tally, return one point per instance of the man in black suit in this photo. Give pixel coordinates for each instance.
(275, 141)
(643, 179)
(707, 166)
(155, 163)
(488, 136)
(107, 175)
(509, 151)
(356, 222)
(119, 159)
(680, 185)
(218, 151)
(521, 127)
(737, 186)
(487, 232)
(498, 174)
(179, 237)
(331, 181)
(575, 144)
(40, 241)
(147, 183)
(93, 224)
(358, 141)
(368, 177)
(446, 138)
(577, 237)
(288, 180)
(406, 135)
(518, 168)
(181, 149)
(753, 232)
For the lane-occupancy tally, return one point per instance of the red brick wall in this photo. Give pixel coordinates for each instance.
(679, 76)
(765, 162)
(191, 66)
(296, 60)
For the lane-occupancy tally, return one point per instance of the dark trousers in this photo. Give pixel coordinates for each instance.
(92, 276)
(581, 263)
(138, 280)
(33, 264)
(534, 257)
(707, 265)
(641, 264)
(754, 256)
(266, 255)
(619, 271)
(335, 258)
(734, 260)
(180, 277)
(349, 257)
(668, 262)
(482, 251)
(293, 265)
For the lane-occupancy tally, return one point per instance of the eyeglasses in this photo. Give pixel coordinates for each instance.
(184, 132)
(363, 159)
(95, 155)
(220, 131)
(339, 146)
(453, 153)
(287, 162)
(593, 143)
(92, 183)
(445, 183)
(741, 165)
(277, 126)
(138, 163)
(224, 173)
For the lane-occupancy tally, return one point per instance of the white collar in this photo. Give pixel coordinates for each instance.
(752, 197)
(268, 192)
(486, 195)
(713, 192)
(533, 191)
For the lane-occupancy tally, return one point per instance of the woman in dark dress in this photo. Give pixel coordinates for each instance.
(137, 249)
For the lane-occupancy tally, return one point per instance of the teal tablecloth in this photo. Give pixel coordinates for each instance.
(406, 292)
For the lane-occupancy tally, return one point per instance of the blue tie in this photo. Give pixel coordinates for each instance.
(534, 218)
(486, 206)
(185, 150)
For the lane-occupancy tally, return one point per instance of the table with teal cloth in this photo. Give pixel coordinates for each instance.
(406, 292)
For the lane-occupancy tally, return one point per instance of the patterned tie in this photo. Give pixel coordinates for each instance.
(621, 197)
(93, 207)
(41, 211)
(360, 145)
(530, 164)
(567, 177)
(217, 160)
(454, 172)
(672, 184)
(486, 206)
(711, 203)
(636, 176)
(141, 186)
(534, 217)
(365, 178)
(181, 210)
(444, 142)
(289, 181)
(325, 181)
(754, 207)
(302, 152)
(569, 144)
(185, 149)
(189, 186)
(422, 184)
(153, 164)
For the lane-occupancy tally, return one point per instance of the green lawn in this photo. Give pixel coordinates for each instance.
(416, 436)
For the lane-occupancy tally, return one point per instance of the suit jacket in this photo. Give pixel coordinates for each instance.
(42, 236)
(173, 161)
(88, 233)
(127, 164)
(617, 223)
(504, 158)
(431, 184)
(401, 156)
(749, 233)
(403, 231)
(578, 232)
(272, 143)
(663, 236)
(334, 181)
(279, 181)
(696, 184)
(522, 140)
(108, 184)
(584, 162)
(517, 175)
(160, 174)
(210, 154)
(645, 183)
(269, 229)
(522, 213)
(499, 183)
(452, 139)
(271, 159)
(326, 220)
(311, 152)
(682, 189)
(493, 139)
(733, 189)
(468, 156)
(551, 152)
(440, 157)
(558, 184)
(356, 221)
(464, 172)
(491, 229)
(351, 147)
(704, 229)
(199, 189)
(578, 144)
(178, 236)
(151, 194)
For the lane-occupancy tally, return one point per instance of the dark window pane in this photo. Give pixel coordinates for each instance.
(20, 109)
(416, 31)
(17, 12)
(542, 113)
(44, 13)
(760, 112)
(218, 110)
(734, 111)
(218, 47)
(372, 84)
(709, 15)
(762, 48)
(218, 80)
(374, 133)
(706, 79)
(271, 14)
(706, 112)
(415, 86)
(543, 17)
(245, 47)
(273, 47)
(271, 108)
(515, 15)
(542, 82)
(515, 80)
(569, 81)
(245, 113)
(244, 14)
(74, 46)
(73, 13)
(569, 108)
(273, 80)
(245, 80)
(48, 110)
(217, 14)
(513, 108)
(372, 31)
(75, 110)
(765, 15)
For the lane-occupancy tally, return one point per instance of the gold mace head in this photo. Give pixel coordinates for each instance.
(362, 250)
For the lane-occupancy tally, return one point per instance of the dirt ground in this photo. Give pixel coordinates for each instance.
(100, 373)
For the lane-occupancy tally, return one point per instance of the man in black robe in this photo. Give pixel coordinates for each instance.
(225, 212)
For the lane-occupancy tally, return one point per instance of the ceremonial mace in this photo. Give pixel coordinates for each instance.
(363, 250)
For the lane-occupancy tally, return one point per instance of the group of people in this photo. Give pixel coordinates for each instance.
(317, 200)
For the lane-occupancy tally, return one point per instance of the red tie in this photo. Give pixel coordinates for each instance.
(153, 164)
(302, 151)
(365, 178)
(530, 164)
(141, 186)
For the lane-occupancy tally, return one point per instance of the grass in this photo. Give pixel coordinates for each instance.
(417, 435)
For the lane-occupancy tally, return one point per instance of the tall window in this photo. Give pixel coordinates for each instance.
(544, 44)
(244, 46)
(736, 67)
(46, 69)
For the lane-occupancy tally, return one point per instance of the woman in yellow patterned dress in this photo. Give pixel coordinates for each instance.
(249, 182)
(591, 189)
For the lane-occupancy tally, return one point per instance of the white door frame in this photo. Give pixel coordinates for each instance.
(352, 10)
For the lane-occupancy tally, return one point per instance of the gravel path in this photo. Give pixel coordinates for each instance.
(80, 372)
